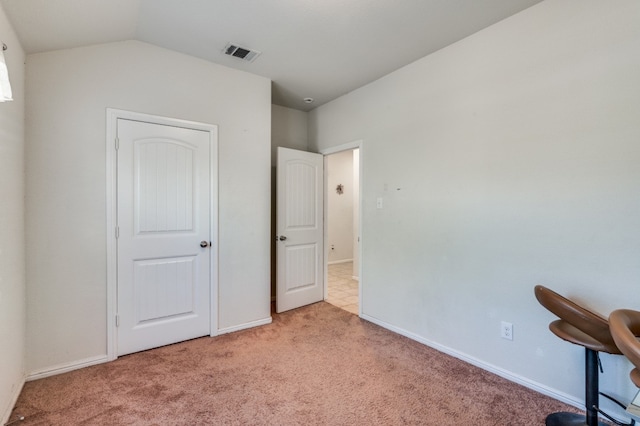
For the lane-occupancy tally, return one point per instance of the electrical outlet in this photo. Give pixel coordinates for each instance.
(379, 203)
(506, 330)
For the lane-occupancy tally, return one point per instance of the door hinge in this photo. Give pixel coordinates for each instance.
(117, 320)
(117, 144)
(117, 232)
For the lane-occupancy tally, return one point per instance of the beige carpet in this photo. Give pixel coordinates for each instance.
(315, 365)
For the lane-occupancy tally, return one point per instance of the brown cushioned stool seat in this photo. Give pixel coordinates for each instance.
(625, 329)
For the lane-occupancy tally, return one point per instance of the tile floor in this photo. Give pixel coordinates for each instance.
(343, 289)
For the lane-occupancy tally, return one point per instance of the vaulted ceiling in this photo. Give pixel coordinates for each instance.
(309, 48)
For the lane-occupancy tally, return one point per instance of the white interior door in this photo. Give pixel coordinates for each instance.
(299, 227)
(163, 215)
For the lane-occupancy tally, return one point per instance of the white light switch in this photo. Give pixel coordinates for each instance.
(379, 203)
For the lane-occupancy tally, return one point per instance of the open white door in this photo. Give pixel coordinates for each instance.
(163, 246)
(299, 228)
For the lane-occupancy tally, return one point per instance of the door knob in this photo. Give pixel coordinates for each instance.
(282, 238)
(204, 244)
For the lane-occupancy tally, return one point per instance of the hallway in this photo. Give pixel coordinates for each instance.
(343, 289)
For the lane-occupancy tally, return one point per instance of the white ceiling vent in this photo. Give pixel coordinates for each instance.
(241, 52)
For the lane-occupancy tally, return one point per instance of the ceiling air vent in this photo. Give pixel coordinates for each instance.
(241, 52)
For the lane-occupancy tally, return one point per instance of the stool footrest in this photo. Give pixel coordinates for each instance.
(614, 421)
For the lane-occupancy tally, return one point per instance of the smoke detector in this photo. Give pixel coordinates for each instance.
(233, 49)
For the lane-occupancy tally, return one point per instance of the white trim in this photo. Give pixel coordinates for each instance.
(357, 144)
(214, 308)
(538, 387)
(6, 416)
(111, 214)
(246, 325)
(337, 262)
(112, 247)
(66, 367)
(344, 147)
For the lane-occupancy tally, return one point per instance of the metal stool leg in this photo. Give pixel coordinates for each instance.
(591, 398)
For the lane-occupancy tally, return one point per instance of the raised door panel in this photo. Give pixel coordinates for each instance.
(301, 188)
(164, 179)
(164, 289)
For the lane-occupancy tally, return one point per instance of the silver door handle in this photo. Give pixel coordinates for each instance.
(204, 244)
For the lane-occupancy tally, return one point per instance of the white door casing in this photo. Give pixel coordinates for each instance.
(299, 228)
(164, 215)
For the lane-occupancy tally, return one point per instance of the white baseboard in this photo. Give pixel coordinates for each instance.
(538, 387)
(6, 416)
(65, 368)
(335, 262)
(244, 326)
(87, 362)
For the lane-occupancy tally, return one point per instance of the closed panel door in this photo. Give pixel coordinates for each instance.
(163, 291)
(299, 236)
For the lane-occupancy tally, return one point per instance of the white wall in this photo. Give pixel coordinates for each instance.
(505, 160)
(12, 247)
(340, 206)
(68, 92)
(289, 129)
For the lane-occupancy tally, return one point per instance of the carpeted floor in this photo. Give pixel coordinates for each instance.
(315, 365)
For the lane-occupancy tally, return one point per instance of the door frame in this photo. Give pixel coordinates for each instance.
(111, 215)
(357, 144)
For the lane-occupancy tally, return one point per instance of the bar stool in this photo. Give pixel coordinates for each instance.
(625, 329)
(581, 327)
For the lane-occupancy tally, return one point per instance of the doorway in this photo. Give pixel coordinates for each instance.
(343, 229)
(302, 264)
